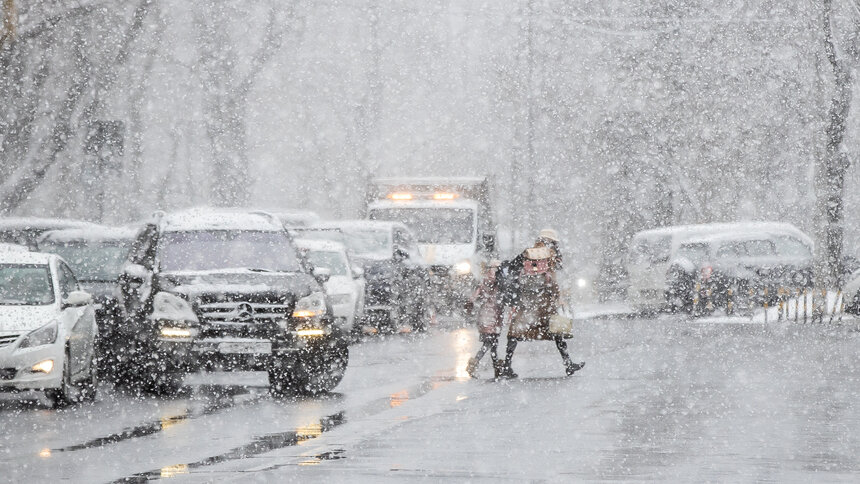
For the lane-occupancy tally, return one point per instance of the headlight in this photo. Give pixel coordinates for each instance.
(177, 330)
(310, 306)
(45, 335)
(337, 299)
(582, 283)
(463, 267)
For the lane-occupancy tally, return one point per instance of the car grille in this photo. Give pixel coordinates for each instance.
(7, 373)
(7, 339)
(246, 317)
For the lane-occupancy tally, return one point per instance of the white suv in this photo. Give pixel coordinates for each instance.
(47, 329)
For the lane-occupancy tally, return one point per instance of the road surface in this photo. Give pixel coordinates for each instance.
(659, 399)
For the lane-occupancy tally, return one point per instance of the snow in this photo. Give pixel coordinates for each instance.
(168, 307)
(204, 218)
(22, 257)
(95, 234)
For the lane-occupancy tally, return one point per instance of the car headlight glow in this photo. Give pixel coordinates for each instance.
(45, 335)
(581, 282)
(463, 267)
(310, 306)
(45, 366)
(310, 333)
(171, 332)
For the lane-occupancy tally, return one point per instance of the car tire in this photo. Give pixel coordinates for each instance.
(314, 372)
(89, 387)
(67, 394)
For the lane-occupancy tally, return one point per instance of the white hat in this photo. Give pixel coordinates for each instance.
(549, 234)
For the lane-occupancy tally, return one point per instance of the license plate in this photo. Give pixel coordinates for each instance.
(253, 347)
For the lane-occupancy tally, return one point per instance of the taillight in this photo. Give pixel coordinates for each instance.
(707, 272)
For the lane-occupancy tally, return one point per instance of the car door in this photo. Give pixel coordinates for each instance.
(80, 322)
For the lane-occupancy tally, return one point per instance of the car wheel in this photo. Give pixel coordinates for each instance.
(89, 387)
(315, 372)
(67, 394)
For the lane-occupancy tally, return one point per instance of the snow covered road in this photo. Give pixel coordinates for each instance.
(659, 399)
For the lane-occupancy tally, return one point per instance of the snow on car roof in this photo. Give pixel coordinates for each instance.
(38, 223)
(206, 218)
(25, 257)
(4, 247)
(95, 233)
(362, 224)
(320, 245)
(430, 180)
(296, 217)
(687, 232)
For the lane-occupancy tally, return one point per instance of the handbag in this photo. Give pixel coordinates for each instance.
(561, 322)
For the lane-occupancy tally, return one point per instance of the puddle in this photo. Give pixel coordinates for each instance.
(259, 445)
(224, 398)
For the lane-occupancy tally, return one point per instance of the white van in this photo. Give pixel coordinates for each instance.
(651, 253)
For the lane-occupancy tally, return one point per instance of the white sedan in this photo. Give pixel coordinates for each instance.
(47, 329)
(345, 285)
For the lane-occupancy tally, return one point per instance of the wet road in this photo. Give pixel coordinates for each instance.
(659, 399)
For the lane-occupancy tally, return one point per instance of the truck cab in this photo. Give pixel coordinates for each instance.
(452, 223)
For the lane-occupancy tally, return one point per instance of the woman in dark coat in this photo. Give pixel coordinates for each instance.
(531, 290)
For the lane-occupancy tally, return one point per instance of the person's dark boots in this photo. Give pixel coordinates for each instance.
(498, 370)
(507, 371)
(472, 368)
(570, 367)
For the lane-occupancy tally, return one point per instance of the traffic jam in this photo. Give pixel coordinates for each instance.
(264, 331)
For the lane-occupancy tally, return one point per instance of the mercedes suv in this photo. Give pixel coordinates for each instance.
(220, 289)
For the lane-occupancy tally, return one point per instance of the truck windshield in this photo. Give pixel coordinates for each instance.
(225, 249)
(91, 261)
(433, 225)
(25, 285)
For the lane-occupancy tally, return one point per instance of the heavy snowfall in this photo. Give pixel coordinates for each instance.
(387, 241)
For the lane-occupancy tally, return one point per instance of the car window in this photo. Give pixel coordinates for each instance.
(696, 253)
(662, 249)
(68, 283)
(791, 247)
(334, 261)
(730, 250)
(759, 248)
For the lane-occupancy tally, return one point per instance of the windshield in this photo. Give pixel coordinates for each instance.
(369, 243)
(25, 285)
(433, 225)
(224, 249)
(696, 253)
(100, 261)
(331, 260)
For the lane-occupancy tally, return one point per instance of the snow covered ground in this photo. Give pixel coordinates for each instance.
(659, 399)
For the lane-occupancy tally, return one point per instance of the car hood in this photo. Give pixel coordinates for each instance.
(20, 319)
(273, 284)
(446, 254)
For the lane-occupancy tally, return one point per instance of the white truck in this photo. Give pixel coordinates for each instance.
(452, 220)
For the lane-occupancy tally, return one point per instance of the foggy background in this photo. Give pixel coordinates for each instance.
(598, 118)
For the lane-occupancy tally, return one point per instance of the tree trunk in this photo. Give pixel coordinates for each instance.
(830, 169)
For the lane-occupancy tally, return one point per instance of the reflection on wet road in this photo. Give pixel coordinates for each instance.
(659, 399)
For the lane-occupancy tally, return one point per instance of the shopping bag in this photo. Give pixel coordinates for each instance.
(561, 322)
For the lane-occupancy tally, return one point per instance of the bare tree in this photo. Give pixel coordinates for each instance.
(832, 162)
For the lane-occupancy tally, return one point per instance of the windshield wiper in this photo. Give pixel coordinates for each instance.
(257, 269)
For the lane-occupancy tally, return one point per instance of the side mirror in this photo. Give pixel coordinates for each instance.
(322, 274)
(400, 254)
(135, 274)
(488, 243)
(77, 299)
(357, 272)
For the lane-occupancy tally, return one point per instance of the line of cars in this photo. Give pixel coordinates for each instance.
(199, 289)
(696, 268)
